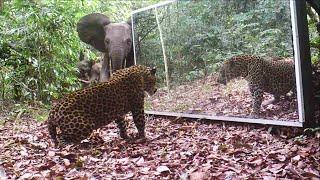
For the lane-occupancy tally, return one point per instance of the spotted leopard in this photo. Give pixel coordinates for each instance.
(274, 77)
(79, 113)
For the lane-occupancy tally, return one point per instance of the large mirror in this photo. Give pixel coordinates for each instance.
(233, 61)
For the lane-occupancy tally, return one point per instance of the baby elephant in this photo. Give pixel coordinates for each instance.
(114, 39)
(89, 70)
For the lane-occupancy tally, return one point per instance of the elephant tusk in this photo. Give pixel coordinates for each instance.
(84, 81)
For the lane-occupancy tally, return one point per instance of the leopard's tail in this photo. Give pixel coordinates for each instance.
(52, 128)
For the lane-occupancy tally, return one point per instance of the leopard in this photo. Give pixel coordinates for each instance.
(263, 76)
(74, 117)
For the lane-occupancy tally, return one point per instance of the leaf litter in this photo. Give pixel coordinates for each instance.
(174, 149)
(206, 96)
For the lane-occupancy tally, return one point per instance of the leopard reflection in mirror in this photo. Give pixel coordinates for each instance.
(275, 77)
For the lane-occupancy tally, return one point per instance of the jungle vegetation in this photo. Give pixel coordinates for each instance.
(39, 46)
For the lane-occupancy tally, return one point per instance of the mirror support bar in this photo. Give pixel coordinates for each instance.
(305, 62)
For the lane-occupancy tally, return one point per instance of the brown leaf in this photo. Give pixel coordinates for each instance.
(124, 161)
(78, 164)
(26, 176)
(223, 147)
(296, 158)
(198, 175)
(269, 178)
(310, 173)
(3, 174)
(128, 175)
(140, 162)
(51, 153)
(237, 151)
(162, 169)
(66, 162)
(184, 176)
(59, 168)
(223, 150)
(281, 158)
(70, 156)
(37, 176)
(24, 151)
(93, 159)
(144, 170)
(276, 168)
(297, 172)
(256, 162)
(46, 166)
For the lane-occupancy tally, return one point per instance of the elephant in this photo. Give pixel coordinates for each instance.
(89, 70)
(112, 39)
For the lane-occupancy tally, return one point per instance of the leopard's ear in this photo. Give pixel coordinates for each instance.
(153, 71)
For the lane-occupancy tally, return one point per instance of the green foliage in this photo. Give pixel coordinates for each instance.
(314, 42)
(198, 35)
(40, 49)
(39, 46)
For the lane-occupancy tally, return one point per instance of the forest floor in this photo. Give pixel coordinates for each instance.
(206, 96)
(174, 149)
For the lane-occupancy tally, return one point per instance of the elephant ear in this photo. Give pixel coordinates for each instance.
(129, 21)
(91, 30)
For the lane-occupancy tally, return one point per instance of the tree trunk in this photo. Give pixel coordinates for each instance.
(1, 5)
(163, 50)
(3, 86)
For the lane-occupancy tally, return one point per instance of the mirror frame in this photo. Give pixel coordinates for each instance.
(303, 71)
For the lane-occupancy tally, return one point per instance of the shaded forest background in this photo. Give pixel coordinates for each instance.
(198, 35)
(39, 51)
(39, 46)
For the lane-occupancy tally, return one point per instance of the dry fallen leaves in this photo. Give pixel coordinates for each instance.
(206, 96)
(173, 150)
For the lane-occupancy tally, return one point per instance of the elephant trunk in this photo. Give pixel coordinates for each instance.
(117, 60)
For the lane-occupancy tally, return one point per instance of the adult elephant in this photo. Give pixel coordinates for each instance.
(113, 39)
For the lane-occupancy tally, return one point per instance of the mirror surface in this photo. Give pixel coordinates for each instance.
(197, 46)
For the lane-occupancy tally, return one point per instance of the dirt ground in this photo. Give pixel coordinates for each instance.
(174, 149)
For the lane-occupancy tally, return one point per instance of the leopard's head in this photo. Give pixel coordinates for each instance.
(229, 70)
(150, 81)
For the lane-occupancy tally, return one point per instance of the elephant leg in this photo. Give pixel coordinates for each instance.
(130, 59)
(105, 68)
(94, 77)
(95, 73)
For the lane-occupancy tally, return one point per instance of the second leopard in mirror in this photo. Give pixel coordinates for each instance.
(275, 77)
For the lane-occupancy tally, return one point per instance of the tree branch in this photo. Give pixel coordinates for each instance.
(315, 4)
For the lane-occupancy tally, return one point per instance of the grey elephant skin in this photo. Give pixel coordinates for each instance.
(89, 70)
(112, 39)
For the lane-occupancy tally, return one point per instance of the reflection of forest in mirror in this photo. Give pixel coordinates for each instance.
(197, 44)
